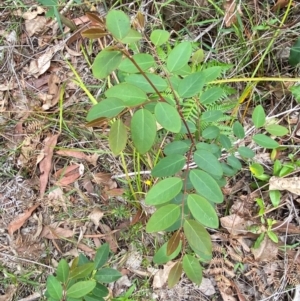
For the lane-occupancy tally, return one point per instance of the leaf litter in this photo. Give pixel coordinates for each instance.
(62, 168)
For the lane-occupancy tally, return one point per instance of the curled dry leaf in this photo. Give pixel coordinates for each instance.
(290, 184)
(235, 224)
(20, 220)
(57, 199)
(68, 175)
(280, 4)
(267, 250)
(35, 25)
(161, 277)
(95, 216)
(33, 12)
(79, 155)
(45, 164)
(54, 232)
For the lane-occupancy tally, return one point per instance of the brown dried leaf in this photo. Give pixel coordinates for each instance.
(105, 179)
(79, 155)
(45, 164)
(54, 232)
(95, 216)
(35, 25)
(161, 277)
(109, 237)
(290, 184)
(9, 293)
(231, 11)
(33, 12)
(53, 82)
(235, 224)
(68, 175)
(280, 4)
(20, 220)
(267, 250)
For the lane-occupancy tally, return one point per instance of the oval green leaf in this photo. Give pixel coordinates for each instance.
(118, 24)
(176, 147)
(259, 116)
(106, 62)
(163, 218)
(107, 275)
(234, 162)
(198, 239)
(179, 56)
(54, 288)
(164, 191)
(140, 81)
(276, 130)
(168, 117)
(168, 166)
(206, 186)
(294, 58)
(212, 73)
(161, 256)
(159, 37)
(246, 152)
(81, 288)
(101, 256)
(238, 130)
(130, 94)
(62, 272)
(208, 162)
(191, 85)
(275, 197)
(211, 116)
(192, 268)
(109, 107)
(143, 60)
(117, 137)
(211, 95)
(256, 169)
(81, 271)
(211, 132)
(265, 141)
(202, 211)
(133, 36)
(143, 130)
(100, 290)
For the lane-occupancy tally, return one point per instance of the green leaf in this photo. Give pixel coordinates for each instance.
(82, 259)
(159, 37)
(228, 170)
(143, 60)
(106, 62)
(117, 137)
(118, 24)
(107, 275)
(208, 162)
(211, 116)
(109, 107)
(259, 116)
(273, 236)
(101, 256)
(62, 272)
(234, 162)
(198, 57)
(276, 130)
(225, 142)
(100, 290)
(185, 70)
(176, 147)
(238, 130)
(168, 117)
(191, 85)
(175, 274)
(246, 152)
(81, 288)
(164, 191)
(256, 169)
(133, 36)
(91, 298)
(54, 288)
(275, 197)
(130, 94)
(143, 130)
(163, 218)
(168, 166)
(192, 268)
(179, 56)
(198, 239)
(82, 271)
(202, 211)
(211, 132)
(212, 73)
(140, 81)
(161, 256)
(294, 58)
(206, 186)
(265, 141)
(211, 95)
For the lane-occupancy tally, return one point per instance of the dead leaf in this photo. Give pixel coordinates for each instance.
(36, 25)
(95, 216)
(45, 164)
(20, 220)
(33, 12)
(68, 175)
(235, 224)
(57, 199)
(280, 4)
(9, 293)
(267, 251)
(42, 64)
(161, 277)
(105, 179)
(79, 155)
(8, 86)
(89, 251)
(207, 287)
(54, 232)
(231, 11)
(290, 184)
(109, 237)
(53, 82)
